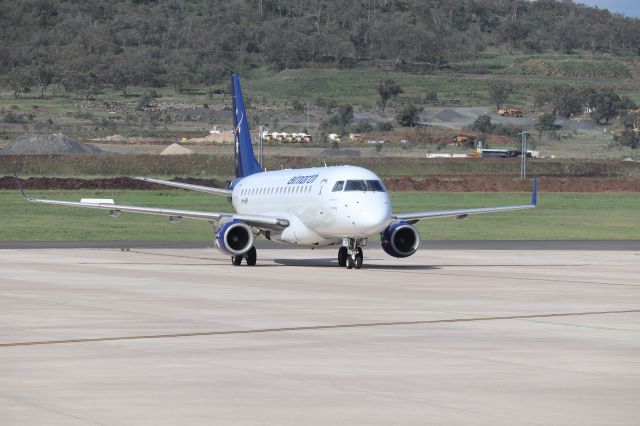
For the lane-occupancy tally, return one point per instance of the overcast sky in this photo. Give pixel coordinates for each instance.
(628, 7)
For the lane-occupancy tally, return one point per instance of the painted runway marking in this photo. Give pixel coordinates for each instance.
(306, 328)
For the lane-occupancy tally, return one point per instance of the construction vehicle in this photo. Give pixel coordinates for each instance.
(286, 137)
(463, 139)
(510, 112)
(334, 137)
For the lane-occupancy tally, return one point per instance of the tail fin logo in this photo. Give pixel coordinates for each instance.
(238, 129)
(246, 163)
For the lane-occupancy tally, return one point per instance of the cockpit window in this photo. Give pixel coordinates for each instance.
(338, 186)
(364, 185)
(355, 185)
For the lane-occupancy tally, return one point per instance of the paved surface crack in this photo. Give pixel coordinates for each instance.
(309, 328)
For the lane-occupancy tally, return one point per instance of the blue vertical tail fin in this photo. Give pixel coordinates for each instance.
(246, 163)
(534, 193)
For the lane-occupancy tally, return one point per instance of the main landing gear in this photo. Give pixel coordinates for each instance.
(350, 255)
(251, 256)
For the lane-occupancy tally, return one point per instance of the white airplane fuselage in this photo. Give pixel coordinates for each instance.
(319, 212)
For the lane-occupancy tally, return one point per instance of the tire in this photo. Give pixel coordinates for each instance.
(359, 253)
(236, 260)
(342, 256)
(349, 262)
(358, 261)
(252, 256)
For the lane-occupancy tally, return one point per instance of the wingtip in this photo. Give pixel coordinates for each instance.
(534, 195)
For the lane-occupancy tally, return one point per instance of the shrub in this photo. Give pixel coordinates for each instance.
(547, 122)
(627, 138)
(13, 118)
(483, 124)
(408, 116)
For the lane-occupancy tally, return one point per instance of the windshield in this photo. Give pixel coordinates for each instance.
(364, 185)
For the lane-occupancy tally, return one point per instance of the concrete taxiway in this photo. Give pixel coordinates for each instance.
(179, 336)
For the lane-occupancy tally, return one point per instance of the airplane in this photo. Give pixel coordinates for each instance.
(312, 207)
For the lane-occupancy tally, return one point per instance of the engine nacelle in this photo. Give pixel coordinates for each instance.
(233, 238)
(400, 239)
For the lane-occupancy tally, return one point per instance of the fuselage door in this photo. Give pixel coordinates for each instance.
(323, 183)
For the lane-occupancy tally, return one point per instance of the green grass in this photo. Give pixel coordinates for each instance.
(357, 86)
(583, 216)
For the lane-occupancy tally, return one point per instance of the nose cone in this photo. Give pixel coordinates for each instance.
(373, 218)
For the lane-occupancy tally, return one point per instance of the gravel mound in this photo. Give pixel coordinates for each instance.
(37, 144)
(448, 115)
(175, 149)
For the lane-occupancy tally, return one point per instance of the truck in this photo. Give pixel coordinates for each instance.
(510, 112)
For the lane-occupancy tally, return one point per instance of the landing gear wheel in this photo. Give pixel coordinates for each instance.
(342, 256)
(252, 256)
(236, 260)
(349, 262)
(358, 260)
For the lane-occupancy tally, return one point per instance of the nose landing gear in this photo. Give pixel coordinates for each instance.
(251, 256)
(350, 255)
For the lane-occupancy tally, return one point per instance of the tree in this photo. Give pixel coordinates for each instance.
(546, 122)
(43, 77)
(567, 101)
(19, 81)
(628, 138)
(387, 89)
(74, 82)
(604, 105)
(409, 116)
(339, 121)
(178, 77)
(483, 124)
(499, 93)
(345, 114)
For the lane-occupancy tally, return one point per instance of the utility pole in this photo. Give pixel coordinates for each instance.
(523, 162)
(261, 131)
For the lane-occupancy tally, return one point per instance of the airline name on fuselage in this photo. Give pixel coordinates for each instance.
(299, 180)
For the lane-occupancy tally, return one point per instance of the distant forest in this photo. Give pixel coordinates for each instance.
(83, 44)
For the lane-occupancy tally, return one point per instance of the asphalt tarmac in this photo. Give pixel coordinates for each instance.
(163, 336)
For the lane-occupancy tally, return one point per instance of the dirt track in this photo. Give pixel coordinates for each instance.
(433, 184)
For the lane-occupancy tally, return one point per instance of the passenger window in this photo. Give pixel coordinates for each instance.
(338, 186)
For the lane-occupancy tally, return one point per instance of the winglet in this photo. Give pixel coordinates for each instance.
(19, 185)
(534, 195)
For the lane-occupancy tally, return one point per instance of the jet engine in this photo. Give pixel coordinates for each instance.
(400, 239)
(233, 238)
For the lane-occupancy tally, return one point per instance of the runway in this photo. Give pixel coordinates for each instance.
(165, 336)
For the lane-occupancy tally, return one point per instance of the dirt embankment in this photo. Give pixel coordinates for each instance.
(505, 184)
(9, 182)
(429, 184)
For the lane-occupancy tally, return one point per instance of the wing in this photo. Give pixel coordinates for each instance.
(258, 221)
(207, 189)
(462, 214)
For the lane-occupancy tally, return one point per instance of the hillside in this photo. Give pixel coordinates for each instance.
(81, 46)
(156, 71)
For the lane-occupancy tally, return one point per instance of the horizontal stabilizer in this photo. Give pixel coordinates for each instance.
(189, 186)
